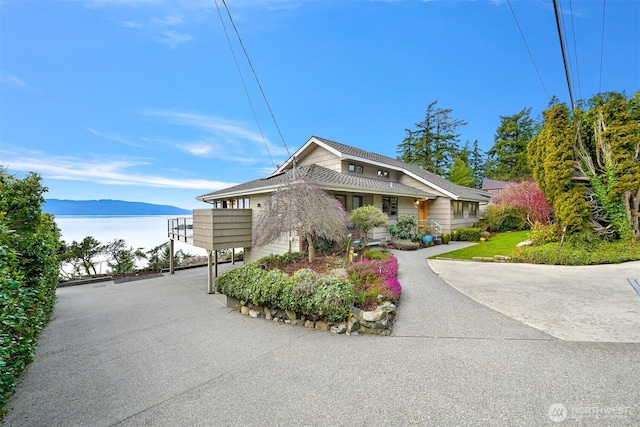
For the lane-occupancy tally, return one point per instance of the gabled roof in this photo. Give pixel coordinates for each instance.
(324, 178)
(454, 191)
(493, 184)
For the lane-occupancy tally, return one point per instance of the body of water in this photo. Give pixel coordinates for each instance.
(146, 232)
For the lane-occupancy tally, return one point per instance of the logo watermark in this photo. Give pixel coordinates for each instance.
(558, 412)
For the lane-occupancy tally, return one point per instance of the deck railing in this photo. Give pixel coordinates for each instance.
(180, 229)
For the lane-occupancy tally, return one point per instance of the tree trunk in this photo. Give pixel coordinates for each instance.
(311, 248)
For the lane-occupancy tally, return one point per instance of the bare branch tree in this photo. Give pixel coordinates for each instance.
(302, 207)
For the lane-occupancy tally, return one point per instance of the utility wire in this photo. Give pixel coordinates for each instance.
(564, 53)
(246, 91)
(528, 50)
(604, 5)
(256, 76)
(575, 48)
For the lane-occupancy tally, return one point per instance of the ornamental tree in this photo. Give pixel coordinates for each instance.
(301, 207)
(526, 195)
(366, 218)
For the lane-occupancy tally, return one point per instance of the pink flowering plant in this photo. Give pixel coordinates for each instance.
(375, 279)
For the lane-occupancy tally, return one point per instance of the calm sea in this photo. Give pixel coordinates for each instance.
(137, 231)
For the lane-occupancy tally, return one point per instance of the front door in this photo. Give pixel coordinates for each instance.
(423, 214)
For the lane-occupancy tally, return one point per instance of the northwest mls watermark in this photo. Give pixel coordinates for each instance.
(559, 412)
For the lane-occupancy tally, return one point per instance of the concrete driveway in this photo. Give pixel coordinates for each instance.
(162, 352)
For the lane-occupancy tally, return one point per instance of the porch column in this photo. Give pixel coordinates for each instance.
(210, 278)
(172, 269)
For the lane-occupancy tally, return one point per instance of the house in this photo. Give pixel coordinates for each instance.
(356, 177)
(495, 187)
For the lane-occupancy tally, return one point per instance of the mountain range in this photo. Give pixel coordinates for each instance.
(108, 207)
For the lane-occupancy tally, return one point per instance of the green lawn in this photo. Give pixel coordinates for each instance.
(501, 244)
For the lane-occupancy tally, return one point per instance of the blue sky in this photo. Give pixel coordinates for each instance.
(141, 100)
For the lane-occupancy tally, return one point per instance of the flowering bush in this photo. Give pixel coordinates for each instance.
(374, 279)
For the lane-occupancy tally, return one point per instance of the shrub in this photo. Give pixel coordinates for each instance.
(29, 274)
(329, 298)
(543, 233)
(405, 227)
(470, 234)
(602, 252)
(369, 273)
(252, 283)
(505, 218)
(274, 261)
(376, 254)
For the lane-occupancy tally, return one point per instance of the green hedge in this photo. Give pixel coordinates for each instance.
(578, 254)
(29, 244)
(470, 234)
(328, 298)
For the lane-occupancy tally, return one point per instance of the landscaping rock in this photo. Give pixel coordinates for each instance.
(340, 328)
(254, 313)
(244, 310)
(321, 325)
(309, 324)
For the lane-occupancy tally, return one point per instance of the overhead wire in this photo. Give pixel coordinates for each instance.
(564, 52)
(528, 50)
(575, 49)
(244, 85)
(255, 76)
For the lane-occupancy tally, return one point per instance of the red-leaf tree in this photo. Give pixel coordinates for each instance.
(527, 195)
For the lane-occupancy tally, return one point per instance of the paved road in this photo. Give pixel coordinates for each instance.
(162, 352)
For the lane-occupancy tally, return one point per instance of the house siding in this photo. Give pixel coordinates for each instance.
(411, 182)
(440, 212)
(321, 157)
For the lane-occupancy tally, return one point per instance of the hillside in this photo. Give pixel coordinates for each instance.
(109, 207)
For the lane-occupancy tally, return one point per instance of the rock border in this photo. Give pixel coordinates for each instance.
(376, 322)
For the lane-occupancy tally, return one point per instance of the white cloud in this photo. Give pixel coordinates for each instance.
(101, 171)
(115, 137)
(13, 81)
(231, 140)
(174, 38)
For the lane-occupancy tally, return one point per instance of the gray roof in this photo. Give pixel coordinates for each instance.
(429, 178)
(324, 178)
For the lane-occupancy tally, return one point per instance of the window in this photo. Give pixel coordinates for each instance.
(236, 203)
(357, 202)
(343, 201)
(390, 206)
(355, 168)
(457, 209)
(383, 173)
(473, 209)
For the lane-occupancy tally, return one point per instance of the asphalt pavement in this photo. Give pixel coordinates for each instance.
(162, 352)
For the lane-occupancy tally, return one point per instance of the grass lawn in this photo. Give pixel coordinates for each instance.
(501, 244)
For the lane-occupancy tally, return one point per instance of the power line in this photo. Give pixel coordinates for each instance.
(528, 50)
(256, 76)
(575, 48)
(564, 53)
(602, 46)
(246, 91)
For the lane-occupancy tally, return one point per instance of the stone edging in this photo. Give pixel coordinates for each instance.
(377, 322)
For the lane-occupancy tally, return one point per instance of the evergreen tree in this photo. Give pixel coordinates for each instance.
(434, 143)
(461, 173)
(610, 159)
(477, 164)
(507, 159)
(553, 165)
